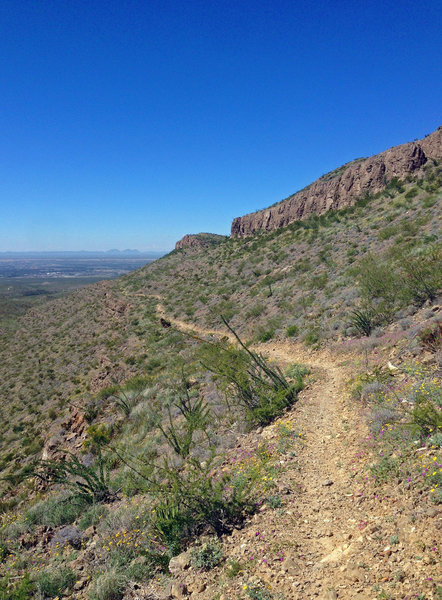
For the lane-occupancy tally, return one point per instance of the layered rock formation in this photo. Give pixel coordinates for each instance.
(199, 240)
(341, 188)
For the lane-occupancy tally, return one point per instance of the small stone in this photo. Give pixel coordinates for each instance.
(327, 483)
(179, 563)
(90, 531)
(179, 591)
(79, 585)
(68, 535)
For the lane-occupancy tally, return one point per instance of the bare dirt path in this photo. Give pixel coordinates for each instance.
(337, 535)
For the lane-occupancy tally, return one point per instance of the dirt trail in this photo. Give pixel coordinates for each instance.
(333, 532)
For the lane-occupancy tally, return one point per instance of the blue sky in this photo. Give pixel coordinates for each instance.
(130, 123)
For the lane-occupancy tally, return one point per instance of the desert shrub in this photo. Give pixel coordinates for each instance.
(234, 568)
(55, 582)
(258, 592)
(412, 193)
(266, 335)
(436, 440)
(191, 500)
(319, 281)
(207, 556)
(423, 273)
(195, 417)
(312, 337)
(11, 589)
(373, 391)
(92, 515)
(292, 330)
(89, 484)
(256, 386)
(386, 469)
(109, 586)
(128, 395)
(274, 501)
(378, 280)
(427, 417)
(363, 321)
(297, 371)
(380, 417)
(56, 510)
(255, 311)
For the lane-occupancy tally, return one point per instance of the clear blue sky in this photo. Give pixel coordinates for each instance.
(130, 123)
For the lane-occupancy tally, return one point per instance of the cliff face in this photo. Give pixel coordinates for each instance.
(344, 186)
(199, 240)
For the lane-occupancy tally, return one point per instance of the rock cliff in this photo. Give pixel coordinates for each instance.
(199, 240)
(342, 187)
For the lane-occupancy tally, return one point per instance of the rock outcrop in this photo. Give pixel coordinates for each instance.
(342, 187)
(199, 240)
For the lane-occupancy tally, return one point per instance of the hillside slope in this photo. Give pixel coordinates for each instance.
(148, 452)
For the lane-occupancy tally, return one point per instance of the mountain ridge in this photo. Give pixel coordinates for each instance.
(342, 188)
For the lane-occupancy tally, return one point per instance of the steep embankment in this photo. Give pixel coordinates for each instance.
(341, 188)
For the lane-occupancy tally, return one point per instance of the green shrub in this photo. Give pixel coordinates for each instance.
(423, 274)
(54, 582)
(11, 589)
(89, 484)
(266, 335)
(363, 321)
(378, 279)
(234, 568)
(386, 469)
(427, 417)
(196, 415)
(56, 511)
(312, 337)
(109, 586)
(255, 311)
(207, 556)
(248, 379)
(430, 336)
(258, 592)
(92, 515)
(292, 330)
(412, 193)
(192, 500)
(297, 371)
(274, 501)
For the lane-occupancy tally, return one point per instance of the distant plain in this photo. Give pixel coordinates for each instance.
(27, 280)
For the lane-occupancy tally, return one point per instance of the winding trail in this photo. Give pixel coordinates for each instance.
(334, 530)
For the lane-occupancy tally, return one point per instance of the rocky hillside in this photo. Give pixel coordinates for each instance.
(341, 188)
(199, 240)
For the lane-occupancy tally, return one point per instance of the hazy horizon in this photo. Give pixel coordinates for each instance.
(83, 251)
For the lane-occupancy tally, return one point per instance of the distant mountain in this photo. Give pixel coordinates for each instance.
(120, 252)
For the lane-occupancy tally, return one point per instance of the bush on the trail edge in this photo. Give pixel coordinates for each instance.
(251, 382)
(207, 556)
